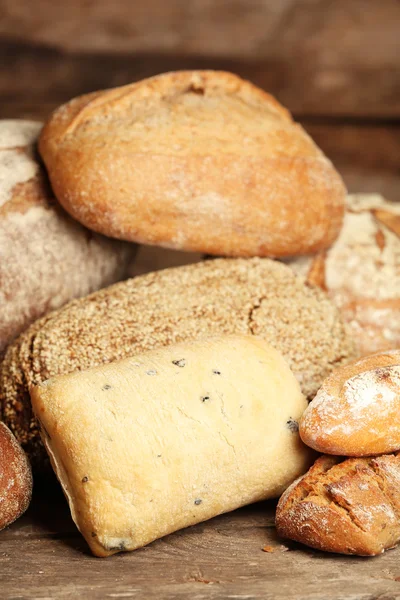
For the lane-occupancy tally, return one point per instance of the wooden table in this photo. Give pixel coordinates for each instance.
(335, 65)
(43, 556)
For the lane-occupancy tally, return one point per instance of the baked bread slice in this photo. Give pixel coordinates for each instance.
(220, 296)
(348, 506)
(46, 258)
(194, 160)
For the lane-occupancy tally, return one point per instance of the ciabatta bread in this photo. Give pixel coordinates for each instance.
(251, 296)
(361, 272)
(172, 437)
(193, 160)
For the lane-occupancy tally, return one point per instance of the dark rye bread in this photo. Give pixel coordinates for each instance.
(349, 506)
(256, 296)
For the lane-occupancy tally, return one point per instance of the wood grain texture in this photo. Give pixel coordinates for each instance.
(318, 57)
(43, 556)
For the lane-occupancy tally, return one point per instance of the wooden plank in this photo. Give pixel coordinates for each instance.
(318, 57)
(43, 556)
(367, 156)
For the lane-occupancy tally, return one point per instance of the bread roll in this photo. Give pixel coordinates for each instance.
(15, 478)
(249, 296)
(356, 411)
(193, 160)
(172, 437)
(361, 272)
(46, 259)
(348, 506)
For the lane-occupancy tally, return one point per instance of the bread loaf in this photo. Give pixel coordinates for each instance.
(221, 296)
(172, 437)
(361, 272)
(15, 478)
(193, 160)
(356, 411)
(46, 259)
(348, 506)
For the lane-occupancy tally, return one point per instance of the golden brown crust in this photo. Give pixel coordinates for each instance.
(15, 478)
(360, 272)
(347, 506)
(46, 258)
(257, 296)
(188, 160)
(355, 413)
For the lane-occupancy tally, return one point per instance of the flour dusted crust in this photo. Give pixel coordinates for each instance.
(356, 411)
(220, 296)
(172, 437)
(361, 272)
(347, 506)
(193, 160)
(15, 478)
(46, 258)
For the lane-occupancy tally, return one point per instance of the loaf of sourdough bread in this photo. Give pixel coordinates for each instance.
(46, 258)
(193, 160)
(356, 410)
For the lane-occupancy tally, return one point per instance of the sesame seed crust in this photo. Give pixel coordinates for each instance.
(220, 296)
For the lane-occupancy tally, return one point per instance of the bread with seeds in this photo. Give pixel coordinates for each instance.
(46, 258)
(349, 506)
(361, 272)
(194, 160)
(221, 296)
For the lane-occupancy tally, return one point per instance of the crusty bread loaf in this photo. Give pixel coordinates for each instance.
(361, 272)
(193, 160)
(172, 437)
(251, 296)
(15, 478)
(46, 259)
(356, 411)
(348, 506)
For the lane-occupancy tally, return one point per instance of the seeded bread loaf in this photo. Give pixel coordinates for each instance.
(361, 272)
(348, 506)
(193, 160)
(15, 478)
(356, 410)
(221, 296)
(46, 258)
(172, 437)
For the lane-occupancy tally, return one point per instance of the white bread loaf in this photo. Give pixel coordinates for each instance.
(172, 437)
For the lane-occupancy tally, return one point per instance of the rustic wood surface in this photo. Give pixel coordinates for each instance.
(43, 556)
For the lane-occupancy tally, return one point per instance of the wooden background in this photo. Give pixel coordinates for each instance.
(336, 65)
